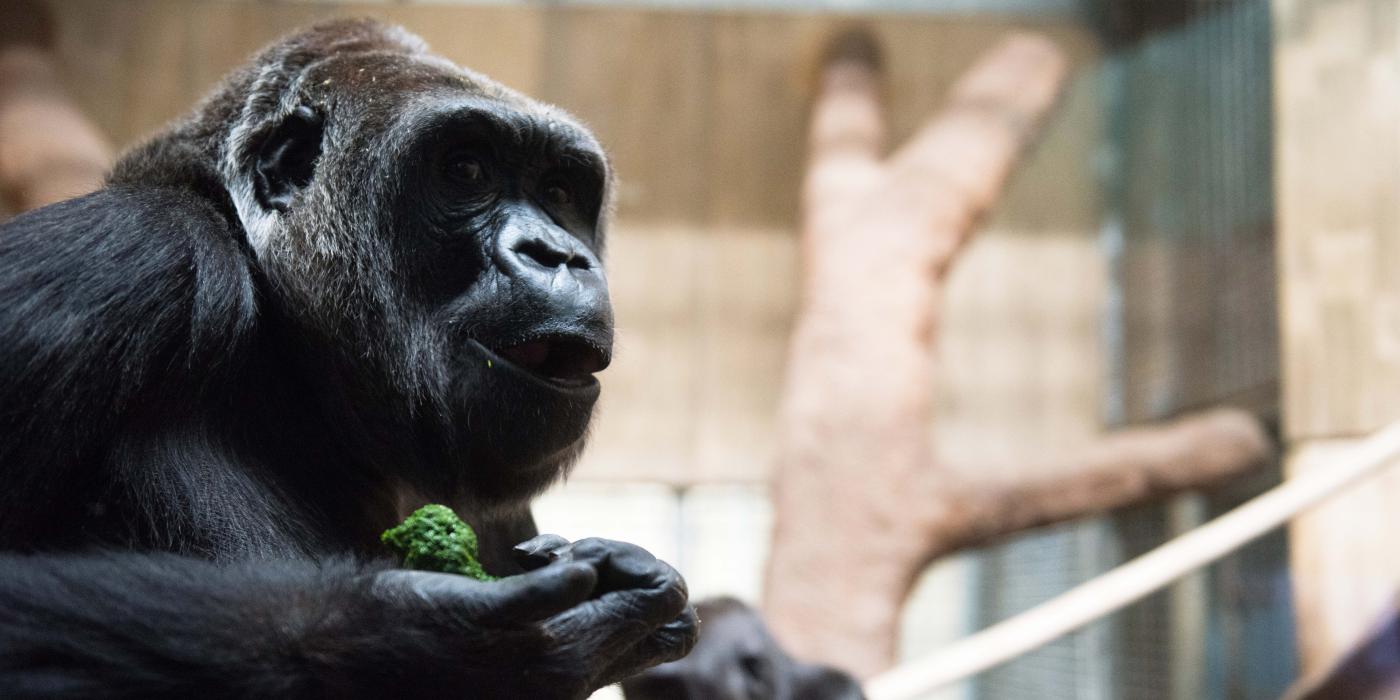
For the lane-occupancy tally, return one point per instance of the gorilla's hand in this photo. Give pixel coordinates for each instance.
(588, 614)
(638, 615)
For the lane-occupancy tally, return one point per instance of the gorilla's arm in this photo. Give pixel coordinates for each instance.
(126, 625)
(109, 298)
(122, 303)
(156, 626)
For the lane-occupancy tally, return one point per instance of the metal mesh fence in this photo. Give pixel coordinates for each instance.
(1187, 172)
(1028, 570)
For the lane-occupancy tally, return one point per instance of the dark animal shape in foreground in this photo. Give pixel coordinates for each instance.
(354, 280)
(737, 659)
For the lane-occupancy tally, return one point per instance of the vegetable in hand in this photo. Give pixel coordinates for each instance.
(433, 538)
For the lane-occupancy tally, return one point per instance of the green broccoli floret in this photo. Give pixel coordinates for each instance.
(433, 538)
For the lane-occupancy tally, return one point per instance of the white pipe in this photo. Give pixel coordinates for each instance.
(1132, 581)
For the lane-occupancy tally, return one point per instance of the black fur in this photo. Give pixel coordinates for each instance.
(356, 279)
(738, 659)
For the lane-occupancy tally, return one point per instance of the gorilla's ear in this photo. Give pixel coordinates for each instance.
(287, 159)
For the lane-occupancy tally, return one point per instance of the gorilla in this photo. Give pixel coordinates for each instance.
(354, 280)
(738, 659)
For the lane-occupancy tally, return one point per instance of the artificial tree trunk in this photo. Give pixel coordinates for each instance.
(48, 150)
(861, 504)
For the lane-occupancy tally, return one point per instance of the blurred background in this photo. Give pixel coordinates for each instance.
(1208, 218)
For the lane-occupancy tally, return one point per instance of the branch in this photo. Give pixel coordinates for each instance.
(1140, 577)
(861, 506)
(857, 500)
(1125, 468)
(48, 150)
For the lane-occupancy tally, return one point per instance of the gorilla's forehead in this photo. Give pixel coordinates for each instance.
(378, 75)
(387, 90)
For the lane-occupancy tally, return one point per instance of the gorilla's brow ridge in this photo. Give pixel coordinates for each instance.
(522, 128)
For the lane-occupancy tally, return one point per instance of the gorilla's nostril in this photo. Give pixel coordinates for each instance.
(543, 254)
(550, 256)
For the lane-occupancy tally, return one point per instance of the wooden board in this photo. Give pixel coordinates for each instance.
(1338, 156)
(1337, 70)
(703, 319)
(1346, 574)
(704, 115)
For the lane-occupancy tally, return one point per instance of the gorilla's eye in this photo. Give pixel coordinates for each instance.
(756, 668)
(466, 169)
(558, 193)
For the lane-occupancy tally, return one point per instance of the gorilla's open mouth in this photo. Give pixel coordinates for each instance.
(564, 361)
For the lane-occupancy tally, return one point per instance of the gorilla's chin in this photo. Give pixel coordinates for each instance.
(520, 431)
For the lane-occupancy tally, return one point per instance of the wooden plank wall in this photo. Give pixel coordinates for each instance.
(704, 114)
(1337, 69)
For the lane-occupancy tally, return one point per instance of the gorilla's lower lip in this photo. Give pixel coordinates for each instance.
(562, 363)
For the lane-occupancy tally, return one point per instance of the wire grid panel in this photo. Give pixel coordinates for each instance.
(1191, 322)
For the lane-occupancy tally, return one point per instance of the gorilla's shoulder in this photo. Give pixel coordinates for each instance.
(123, 271)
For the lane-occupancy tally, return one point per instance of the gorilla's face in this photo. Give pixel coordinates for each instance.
(737, 658)
(510, 281)
(435, 243)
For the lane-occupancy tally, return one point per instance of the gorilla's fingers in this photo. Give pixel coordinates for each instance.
(607, 628)
(669, 642)
(529, 597)
(637, 597)
(539, 594)
(538, 550)
(674, 639)
(622, 566)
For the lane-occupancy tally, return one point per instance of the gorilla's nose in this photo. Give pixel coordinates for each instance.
(550, 258)
(558, 281)
(553, 254)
